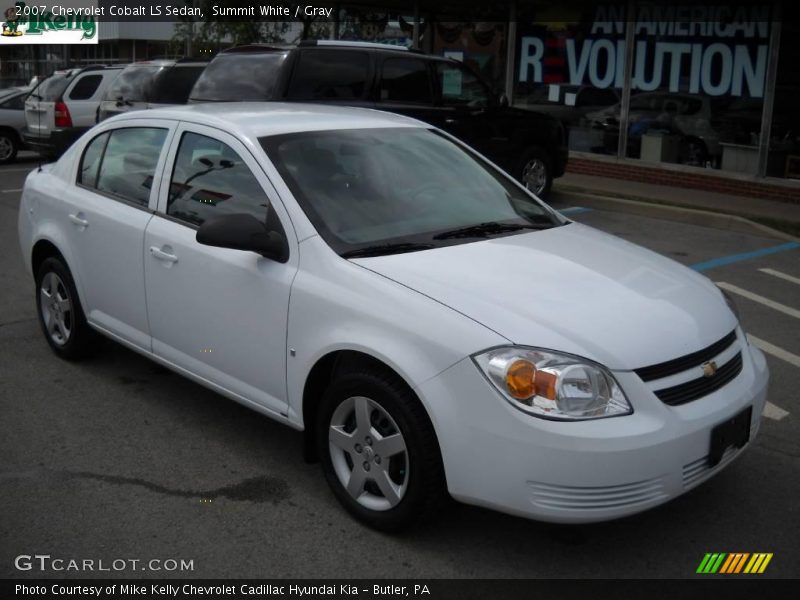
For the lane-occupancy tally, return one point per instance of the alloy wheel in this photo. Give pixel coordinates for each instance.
(56, 308)
(6, 148)
(534, 175)
(368, 453)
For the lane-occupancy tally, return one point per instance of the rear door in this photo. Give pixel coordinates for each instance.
(108, 209)
(83, 95)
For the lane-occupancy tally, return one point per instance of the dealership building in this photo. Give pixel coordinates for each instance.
(695, 95)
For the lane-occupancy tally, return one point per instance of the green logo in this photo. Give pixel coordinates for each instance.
(40, 21)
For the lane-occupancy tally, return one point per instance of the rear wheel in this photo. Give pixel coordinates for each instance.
(9, 146)
(379, 452)
(60, 313)
(536, 172)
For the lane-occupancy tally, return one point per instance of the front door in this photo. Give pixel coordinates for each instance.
(219, 314)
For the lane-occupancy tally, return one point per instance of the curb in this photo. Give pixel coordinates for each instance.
(693, 216)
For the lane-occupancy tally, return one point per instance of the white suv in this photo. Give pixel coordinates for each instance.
(430, 324)
(64, 106)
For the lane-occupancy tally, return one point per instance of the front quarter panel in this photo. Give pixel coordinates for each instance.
(338, 305)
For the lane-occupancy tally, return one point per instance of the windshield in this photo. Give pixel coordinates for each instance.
(51, 88)
(399, 187)
(133, 84)
(239, 77)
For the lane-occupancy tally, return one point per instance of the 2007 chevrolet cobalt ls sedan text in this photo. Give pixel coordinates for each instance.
(432, 326)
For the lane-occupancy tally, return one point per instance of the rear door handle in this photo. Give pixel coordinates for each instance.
(79, 220)
(163, 256)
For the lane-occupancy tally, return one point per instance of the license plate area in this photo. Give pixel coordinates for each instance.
(733, 432)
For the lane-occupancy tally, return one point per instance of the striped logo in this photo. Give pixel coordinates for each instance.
(736, 562)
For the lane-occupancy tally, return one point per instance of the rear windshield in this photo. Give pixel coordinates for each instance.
(239, 77)
(133, 84)
(173, 85)
(51, 88)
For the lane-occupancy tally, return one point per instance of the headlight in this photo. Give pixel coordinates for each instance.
(552, 385)
(730, 302)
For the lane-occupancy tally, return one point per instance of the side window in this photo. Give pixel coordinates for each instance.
(405, 80)
(85, 87)
(129, 163)
(16, 103)
(90, 162)
(330, 75)
(461, 87)
(210, 179)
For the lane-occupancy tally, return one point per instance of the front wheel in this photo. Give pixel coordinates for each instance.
(379, 451)
(536, 172)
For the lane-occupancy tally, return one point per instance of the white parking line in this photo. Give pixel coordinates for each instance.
(9, 191)
(17, 170)
(775, 273)
(792, 312)
(776, 413)
(775, 351)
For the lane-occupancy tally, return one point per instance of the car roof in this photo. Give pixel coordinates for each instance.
(258, 119)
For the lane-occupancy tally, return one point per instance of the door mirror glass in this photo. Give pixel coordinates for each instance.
(243, 232)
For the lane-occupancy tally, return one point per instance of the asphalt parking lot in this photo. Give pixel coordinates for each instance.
(118, 458)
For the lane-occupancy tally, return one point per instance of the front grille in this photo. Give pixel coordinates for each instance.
(685, 363)
(697, 388)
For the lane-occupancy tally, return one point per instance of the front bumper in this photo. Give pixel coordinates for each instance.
(55, 143)
(571, 472)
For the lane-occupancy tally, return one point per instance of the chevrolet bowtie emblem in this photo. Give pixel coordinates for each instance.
(709, 369)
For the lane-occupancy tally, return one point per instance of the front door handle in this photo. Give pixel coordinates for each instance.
(451, 121)
(162, 255)
(79, 220)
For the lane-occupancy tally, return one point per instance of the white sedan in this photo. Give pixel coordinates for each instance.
(429, 324)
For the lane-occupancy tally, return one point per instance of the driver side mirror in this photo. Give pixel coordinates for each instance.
(244, 232)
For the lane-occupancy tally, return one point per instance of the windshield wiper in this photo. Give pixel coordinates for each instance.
(483, 230)
(383, 249)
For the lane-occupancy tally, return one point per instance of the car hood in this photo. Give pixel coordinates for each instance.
(573, 289)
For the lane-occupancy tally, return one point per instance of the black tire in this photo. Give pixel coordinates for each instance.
(426, 489)
(78, 339)
(9, 146)
(533, 160)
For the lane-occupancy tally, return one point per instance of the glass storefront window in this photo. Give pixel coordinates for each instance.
(572, 71)
(479, 44)
(366, 24)
(784, 148)
(697, 90)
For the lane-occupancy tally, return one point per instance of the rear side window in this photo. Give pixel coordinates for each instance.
(173, 85)
(85, 87)
(133, 84)
(210, 179)
(15, 103)
(330, 75)
(123, 162)
(405, 80)
(239, 76)
(90, 162)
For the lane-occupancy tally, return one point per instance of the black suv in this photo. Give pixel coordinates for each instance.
(440, 91)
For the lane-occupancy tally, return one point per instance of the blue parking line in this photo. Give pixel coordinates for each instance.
(733, 258)
(574, 210)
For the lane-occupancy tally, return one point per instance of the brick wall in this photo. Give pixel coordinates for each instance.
(753, 188)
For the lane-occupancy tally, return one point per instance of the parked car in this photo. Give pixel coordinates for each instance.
(64, 106)
(440, 91)
(701, 123)
(428, 323)
(12, 122)
(150, 84)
